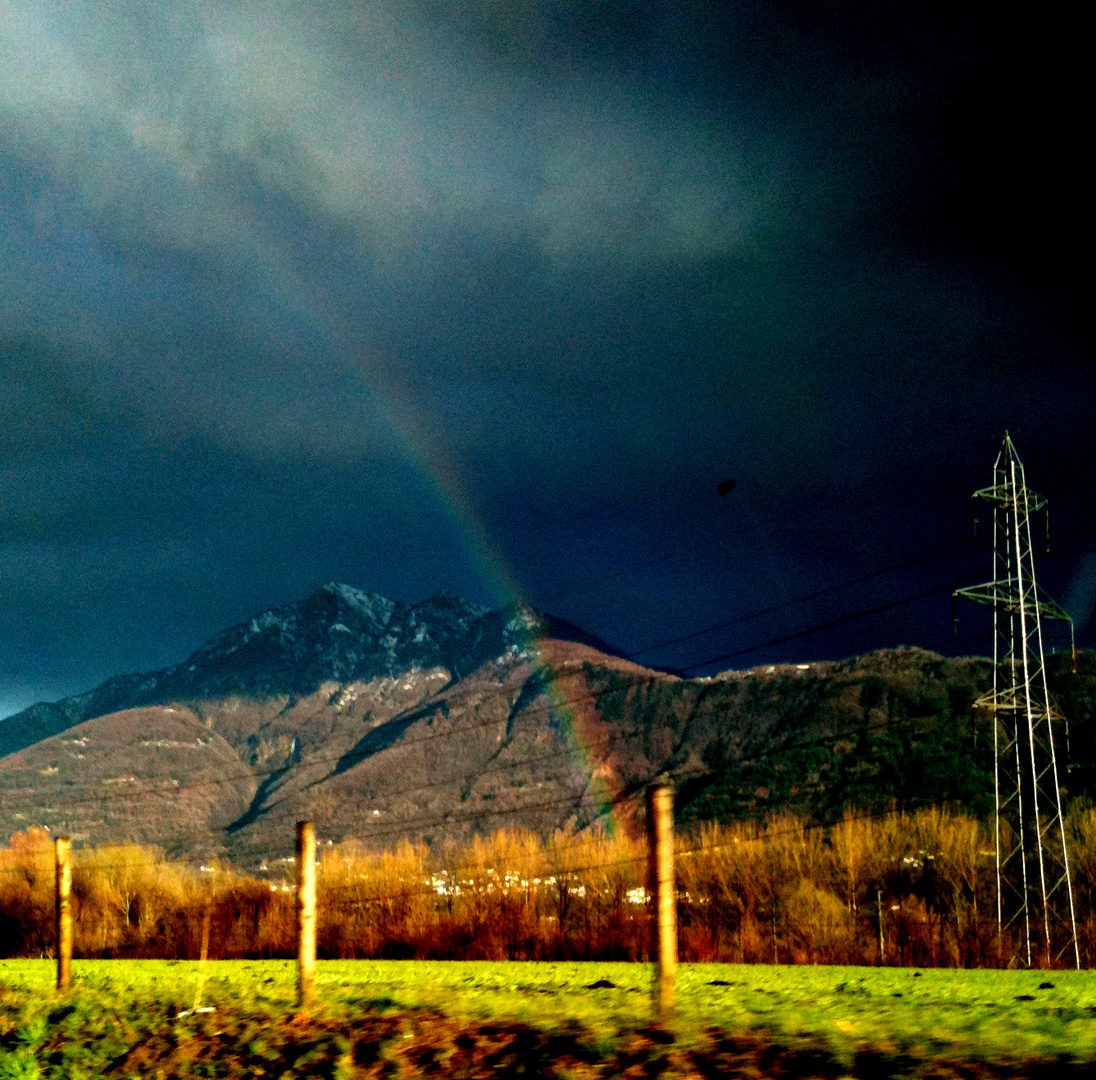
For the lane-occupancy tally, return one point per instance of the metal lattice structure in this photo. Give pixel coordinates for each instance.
(1034, 891)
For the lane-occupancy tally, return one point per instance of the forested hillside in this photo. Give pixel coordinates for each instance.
(893, 728)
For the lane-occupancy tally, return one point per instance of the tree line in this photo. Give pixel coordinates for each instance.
(915, 888)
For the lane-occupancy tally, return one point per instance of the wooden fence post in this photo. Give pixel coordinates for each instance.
(62, 850)
(306, 913)
(660, 877)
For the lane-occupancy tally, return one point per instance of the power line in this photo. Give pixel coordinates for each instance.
(801, 599)
(823, 626)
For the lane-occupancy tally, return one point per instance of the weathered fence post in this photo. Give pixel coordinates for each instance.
(306, 913)
(660, 878)
(62, 850)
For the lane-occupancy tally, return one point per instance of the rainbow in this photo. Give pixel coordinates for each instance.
(490, 564)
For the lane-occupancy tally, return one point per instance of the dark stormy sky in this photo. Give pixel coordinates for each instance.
(490, 296)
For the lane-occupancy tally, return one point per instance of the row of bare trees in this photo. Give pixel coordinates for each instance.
(908, 889)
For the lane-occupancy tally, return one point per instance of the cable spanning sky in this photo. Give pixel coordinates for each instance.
(491, 297)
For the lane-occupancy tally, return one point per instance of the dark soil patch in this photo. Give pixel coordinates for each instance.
(411, 1045)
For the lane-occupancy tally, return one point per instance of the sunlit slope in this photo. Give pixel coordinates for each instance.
(153, 775)
(441, 720)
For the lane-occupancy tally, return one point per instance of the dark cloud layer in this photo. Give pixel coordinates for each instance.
(491, 296)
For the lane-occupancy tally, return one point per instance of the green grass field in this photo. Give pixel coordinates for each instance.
(990, 1019)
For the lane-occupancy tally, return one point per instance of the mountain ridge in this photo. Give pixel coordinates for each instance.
(380, 719)
(281, 650)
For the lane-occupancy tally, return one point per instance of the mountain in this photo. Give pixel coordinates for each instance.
(378, 719)
(315, 709)
(339, 634)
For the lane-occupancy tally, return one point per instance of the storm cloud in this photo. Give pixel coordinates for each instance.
(490, 297)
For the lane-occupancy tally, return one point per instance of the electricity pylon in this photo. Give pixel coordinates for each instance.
(1034, 891)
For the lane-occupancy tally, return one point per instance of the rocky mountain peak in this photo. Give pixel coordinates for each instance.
(339, 633)
(372, 608)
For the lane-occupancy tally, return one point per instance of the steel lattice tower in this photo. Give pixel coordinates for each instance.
(1034, 891)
